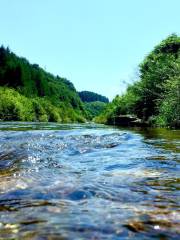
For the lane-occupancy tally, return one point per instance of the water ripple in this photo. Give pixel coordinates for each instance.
(88, 181)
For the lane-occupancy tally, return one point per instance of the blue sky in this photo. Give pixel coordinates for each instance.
(97, 44)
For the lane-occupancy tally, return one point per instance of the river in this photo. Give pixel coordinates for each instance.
(87, 181)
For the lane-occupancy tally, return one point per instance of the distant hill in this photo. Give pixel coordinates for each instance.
(87, 96)
(94, 103)
(29, 93)
(94, 109)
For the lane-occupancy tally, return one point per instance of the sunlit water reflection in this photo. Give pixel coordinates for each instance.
(88, 182)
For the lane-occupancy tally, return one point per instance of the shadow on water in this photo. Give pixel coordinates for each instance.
(161, 137)
(61, 181)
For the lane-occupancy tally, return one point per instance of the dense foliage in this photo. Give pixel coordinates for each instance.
(87, 96)
(93, 109)
(30, 93)
(155, 98)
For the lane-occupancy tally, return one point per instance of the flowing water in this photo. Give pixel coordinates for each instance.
(88, 182)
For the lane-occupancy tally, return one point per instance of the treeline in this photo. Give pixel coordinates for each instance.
(87, 96)
(29, 93)
(155, 98)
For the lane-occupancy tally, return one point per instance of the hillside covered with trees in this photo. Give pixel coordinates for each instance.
(29, 93)
(87, 96)
(94, 103)
(94, 109)
(155, 97)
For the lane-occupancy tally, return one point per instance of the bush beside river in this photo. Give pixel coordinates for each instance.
(155, 97)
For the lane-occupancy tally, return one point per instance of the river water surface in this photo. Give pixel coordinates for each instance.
(88, 182)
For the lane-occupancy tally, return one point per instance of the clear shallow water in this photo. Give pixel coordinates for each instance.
(88, 182)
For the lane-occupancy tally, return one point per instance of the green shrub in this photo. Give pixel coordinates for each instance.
(155, 98)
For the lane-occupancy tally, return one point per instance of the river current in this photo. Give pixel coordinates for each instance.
(72, 181)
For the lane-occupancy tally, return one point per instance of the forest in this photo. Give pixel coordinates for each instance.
(155, 97)
(87, 96)
(29, 93)
(94, 103)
